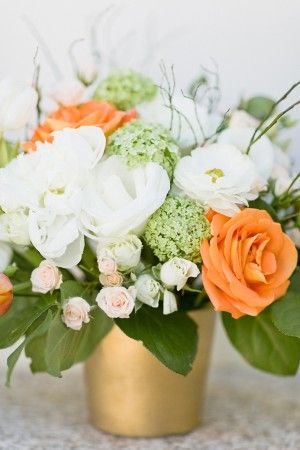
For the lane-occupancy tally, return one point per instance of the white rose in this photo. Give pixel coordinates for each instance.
(111, 279)
(158, 111)
(170, 302)
(14, 228)
(75, 313)
(125, 250)
(68, 92)
(119, 200)
(106, 263)
(261, 153)
(147, 290)
(176, 272)
(242, 119)
(46, 277)
(117, 301)
(56, 237)
(218, 176)
(6, 255)
(17, 104)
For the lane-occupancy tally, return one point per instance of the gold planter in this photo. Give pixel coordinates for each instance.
(132, 394)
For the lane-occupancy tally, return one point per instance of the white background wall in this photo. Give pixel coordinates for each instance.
(255, 42)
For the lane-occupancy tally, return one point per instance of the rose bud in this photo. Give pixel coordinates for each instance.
(46, 277)
(75, 313)
(6, 294)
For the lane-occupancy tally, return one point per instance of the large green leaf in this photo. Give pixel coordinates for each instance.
(286, 314)
(35, 349)
(172, 339)
(13, 357)
(262, 344)
(65, 347)
(22, 314)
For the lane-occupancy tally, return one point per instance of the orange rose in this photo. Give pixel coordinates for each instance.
(247, 263)
(6, 294)
(96, 113)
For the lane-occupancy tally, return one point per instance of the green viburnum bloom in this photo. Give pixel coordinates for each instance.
(126, 89)
(177, 228)
(140, 142)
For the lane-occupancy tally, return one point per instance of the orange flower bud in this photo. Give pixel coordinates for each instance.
(6, 294)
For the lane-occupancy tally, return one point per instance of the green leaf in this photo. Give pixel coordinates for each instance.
(259, 203)
(262, 344)
(172, 338)
(286, 314)
(295, 281)
(65, 347)
(259, 106)
(35, 349)
(13, 357)
(24, 311)
(71, 289)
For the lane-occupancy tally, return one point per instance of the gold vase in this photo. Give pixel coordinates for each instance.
(132, 394)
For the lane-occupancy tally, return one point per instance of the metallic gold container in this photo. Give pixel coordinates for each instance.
(133, 394)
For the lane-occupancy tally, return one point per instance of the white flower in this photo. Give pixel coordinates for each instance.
(124, 250)
(176, 272)
(119, 200)
(241, 119)
(6, 255)
(218, 176)
(68, 92)
(117, 301)
(86, 69)
(111, 279)
(56, 237)
(75, 313)
(261, 153)
(46, 277)
(281, 172)
(14, 228)
(17, 104)
(158, 111)
(170, 302)
(106, 263)
(147, 290)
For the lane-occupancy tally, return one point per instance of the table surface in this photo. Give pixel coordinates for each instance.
(245, 409)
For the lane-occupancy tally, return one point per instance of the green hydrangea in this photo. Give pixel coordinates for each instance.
(177, 228)
(126, 89)
(139, 143)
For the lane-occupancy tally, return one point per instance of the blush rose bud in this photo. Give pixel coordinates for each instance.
(117, 301)
(75, 313)
(6, 294)
(46, 277)
(112, 279)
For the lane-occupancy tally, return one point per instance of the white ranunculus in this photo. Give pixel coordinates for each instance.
(46, 277)
(56, 237)
(17, 104)
(124, 250)
(241, 119)
(14, 228)
(68, 92)
(117, 302)
(218, 176)
(147, 290)
(177, 271)
(119, 200)
(6, 255)
(170, 302)
(261, 153)
(158, 111)
(75, 313)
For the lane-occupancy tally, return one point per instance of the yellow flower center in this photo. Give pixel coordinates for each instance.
(215, 174)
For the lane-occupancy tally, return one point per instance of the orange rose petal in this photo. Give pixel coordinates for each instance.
(268, 263)
(286, 262)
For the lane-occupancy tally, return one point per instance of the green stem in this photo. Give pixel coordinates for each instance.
(21, 286)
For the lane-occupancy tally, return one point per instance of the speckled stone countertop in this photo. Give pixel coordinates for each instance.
(245, 409)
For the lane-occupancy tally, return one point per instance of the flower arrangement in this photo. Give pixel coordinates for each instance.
(132, 205)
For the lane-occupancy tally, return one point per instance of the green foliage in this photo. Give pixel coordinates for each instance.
(22, 314)
(37, 332)
(262, 344)
(172, 339)
(259, 107)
